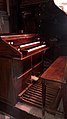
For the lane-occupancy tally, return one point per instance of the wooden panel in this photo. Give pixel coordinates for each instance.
(19, 37)
(7, 91)
(8, 51)
(5, 70)
(20, 82)
(17, 67)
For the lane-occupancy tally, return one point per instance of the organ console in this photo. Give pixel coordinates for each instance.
(20, 55)
(21, 65)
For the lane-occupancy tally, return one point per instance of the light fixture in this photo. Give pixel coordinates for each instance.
(62, 4)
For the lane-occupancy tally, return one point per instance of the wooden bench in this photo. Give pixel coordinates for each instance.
(53, 77)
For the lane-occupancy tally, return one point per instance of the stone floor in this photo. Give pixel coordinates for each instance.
(34, 111)
(5, 116)
(38, 112)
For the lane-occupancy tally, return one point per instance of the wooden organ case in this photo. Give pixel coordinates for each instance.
(20, 56)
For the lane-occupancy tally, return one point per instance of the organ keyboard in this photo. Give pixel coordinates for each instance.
(24, 44)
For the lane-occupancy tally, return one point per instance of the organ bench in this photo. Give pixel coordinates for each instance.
(53, 77)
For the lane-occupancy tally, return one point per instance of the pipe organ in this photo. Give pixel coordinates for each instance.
(22, 75)
(20, 57)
